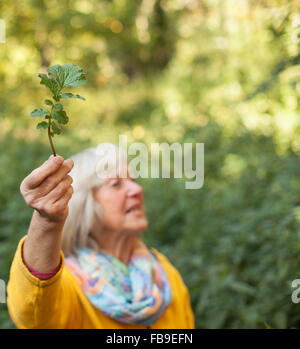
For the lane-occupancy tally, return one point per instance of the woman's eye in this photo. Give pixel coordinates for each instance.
(115, 183)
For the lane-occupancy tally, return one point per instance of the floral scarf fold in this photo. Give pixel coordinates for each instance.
(137, 293)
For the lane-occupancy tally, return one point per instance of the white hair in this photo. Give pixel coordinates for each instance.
(91, 167)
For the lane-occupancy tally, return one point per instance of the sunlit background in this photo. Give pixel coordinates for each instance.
(222, 72)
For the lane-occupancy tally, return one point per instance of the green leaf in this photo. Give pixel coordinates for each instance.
(55, 128)
(58, 106)
(66, 95)
(39, 112)
(51, 84)
(43, 124)
(70, 95)
(67, 75)
(48, 102)
(60, 116)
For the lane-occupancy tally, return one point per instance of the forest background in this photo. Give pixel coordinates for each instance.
(225, 73)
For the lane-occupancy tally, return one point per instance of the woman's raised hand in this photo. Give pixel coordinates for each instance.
(48, 189)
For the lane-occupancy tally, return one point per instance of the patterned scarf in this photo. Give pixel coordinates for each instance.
(137, 293)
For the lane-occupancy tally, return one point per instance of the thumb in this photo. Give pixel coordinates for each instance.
(58, 159)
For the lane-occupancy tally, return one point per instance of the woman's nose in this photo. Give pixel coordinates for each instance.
(134, 188)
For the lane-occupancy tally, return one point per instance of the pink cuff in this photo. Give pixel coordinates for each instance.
(44, 276)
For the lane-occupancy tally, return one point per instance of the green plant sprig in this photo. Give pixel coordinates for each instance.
(58, 78)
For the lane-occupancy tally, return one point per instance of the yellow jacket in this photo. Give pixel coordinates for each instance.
(60, 303)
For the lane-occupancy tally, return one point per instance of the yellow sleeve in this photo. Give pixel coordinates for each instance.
(34, 303)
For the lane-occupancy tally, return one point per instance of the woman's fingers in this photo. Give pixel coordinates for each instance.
(48, 188)
(55, 205)
(63, 201)
(54, 179)
(59, 209)
(37, 176)
(60, 189)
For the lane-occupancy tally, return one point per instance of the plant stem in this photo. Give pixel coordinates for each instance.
(49, 135)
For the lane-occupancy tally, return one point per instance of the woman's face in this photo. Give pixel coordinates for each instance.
(122, 204)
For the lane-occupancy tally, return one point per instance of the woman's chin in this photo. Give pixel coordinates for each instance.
(138, 225)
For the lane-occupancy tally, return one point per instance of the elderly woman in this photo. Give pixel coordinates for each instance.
(82, 263)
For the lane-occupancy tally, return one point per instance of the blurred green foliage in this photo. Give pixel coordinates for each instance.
(222, 72)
